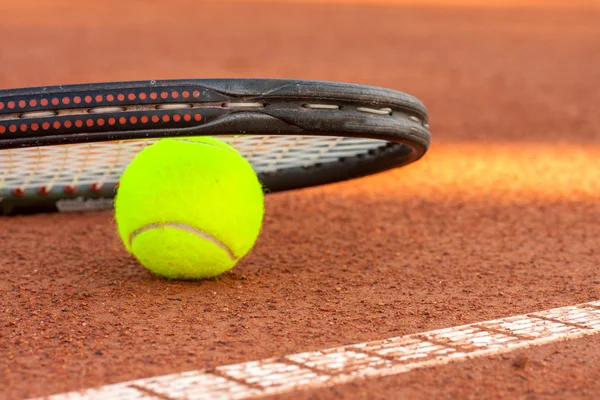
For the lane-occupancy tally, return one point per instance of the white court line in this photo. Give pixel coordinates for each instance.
(338, 365)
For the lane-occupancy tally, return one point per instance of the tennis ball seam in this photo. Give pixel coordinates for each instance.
(187, 228)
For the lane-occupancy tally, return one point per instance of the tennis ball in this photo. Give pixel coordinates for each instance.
(189, 208)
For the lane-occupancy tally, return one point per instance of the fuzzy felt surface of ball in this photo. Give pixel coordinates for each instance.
(189, 208)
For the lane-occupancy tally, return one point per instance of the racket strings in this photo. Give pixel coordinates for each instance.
(92, 166)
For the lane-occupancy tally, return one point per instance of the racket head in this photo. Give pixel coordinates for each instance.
(63, 148)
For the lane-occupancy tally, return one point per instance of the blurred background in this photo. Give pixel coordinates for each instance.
(517, 68)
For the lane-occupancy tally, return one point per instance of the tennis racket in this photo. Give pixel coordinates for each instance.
(64, 148)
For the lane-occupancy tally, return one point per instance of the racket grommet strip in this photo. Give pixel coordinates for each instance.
(176, 106)
(243, 105)
(39, 114)
(104, 110)
(376, 111)
(322, 106)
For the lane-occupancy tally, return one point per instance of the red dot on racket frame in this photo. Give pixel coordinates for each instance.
(155, 118)
(19, 191)
(23, 127)
(197, 117)
(166, 118)
(56, 125)
(112, 121)
(121, 97)
(66, 100)
(2, 129)
(143, 96)
(44, 102)
(164, 95)
(110, 97)
(11, 104)
(22, 103)
(68, 124)
(43, 190)
(99, 98)
(1, 105)
(35, 126)
(76, 99)
(95, 187)
(88, 99)
(79, 123)
(153, 95)
(131, 96)
(32, 103)
(12, 128)
(46, 125)
(55, 101)
(185, 94)
(70, 189)
(144, 119)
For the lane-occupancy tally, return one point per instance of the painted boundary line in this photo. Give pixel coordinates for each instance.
(344, 364)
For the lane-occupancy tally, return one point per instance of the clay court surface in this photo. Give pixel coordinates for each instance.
(500, 218)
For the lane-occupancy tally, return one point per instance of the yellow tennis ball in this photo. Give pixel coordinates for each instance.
(189, 208)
